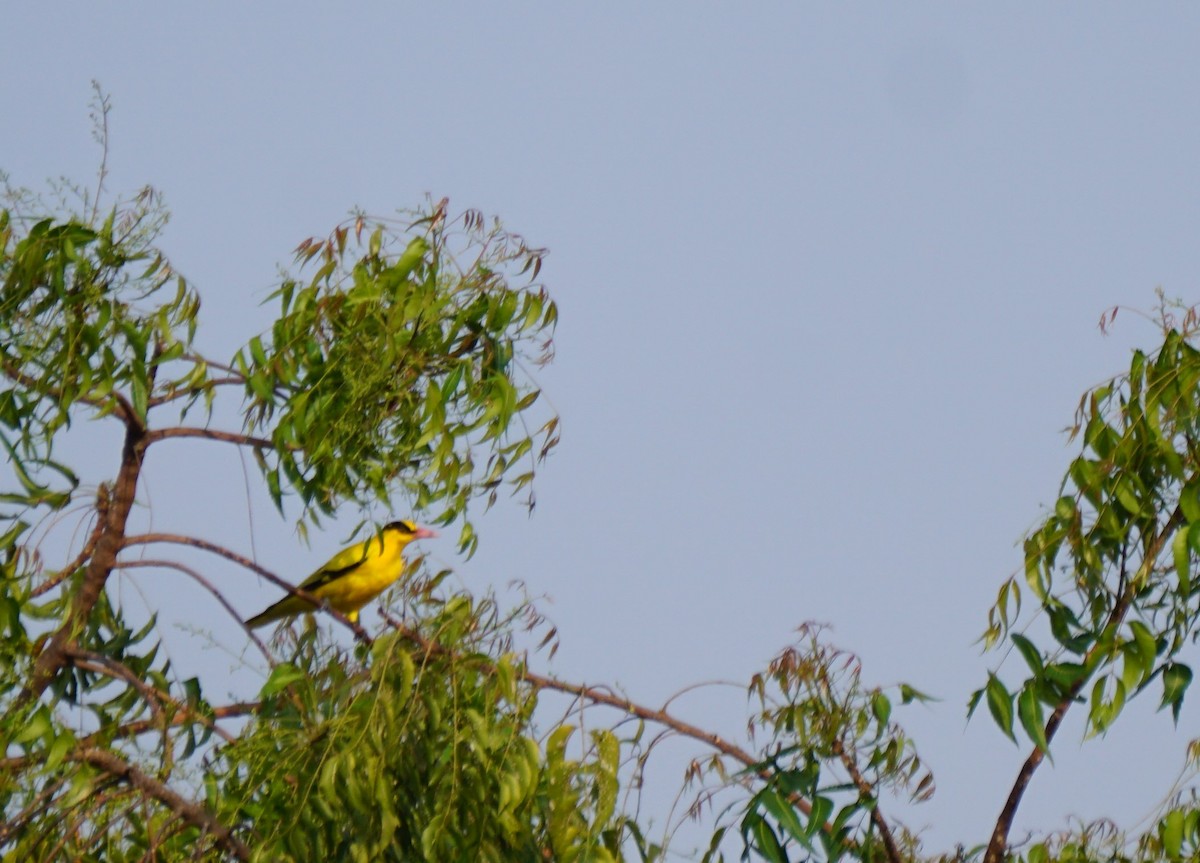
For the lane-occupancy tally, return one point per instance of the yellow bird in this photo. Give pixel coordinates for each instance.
(352, 577)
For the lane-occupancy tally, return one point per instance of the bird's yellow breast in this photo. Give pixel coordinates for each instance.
(369, 572)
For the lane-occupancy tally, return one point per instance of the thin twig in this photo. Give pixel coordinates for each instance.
(86, 552)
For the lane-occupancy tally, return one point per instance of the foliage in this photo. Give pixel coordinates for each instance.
(414, 753)
(387, 369)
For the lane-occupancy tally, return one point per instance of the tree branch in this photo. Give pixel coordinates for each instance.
(190, 812)
(998, 845)
(210, 384)
(597, 695)
(124, 409)
(154, 698)
(109, 543)
(138, 727)
(866, 791)
(208, 434)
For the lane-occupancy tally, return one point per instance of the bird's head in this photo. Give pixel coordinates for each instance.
(409, 531)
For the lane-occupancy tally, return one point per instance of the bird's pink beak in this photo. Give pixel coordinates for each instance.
(423, 533)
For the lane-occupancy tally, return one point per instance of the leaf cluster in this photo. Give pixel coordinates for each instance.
(414, 753)
(82, 324)
(833, 751)
(394, 361)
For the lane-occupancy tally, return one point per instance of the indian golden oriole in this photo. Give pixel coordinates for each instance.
(353, 576)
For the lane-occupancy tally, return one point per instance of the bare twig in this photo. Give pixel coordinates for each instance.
(211, 384)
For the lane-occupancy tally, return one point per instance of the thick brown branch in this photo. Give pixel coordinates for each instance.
(110, 541)
(998, 845)
(192, 813)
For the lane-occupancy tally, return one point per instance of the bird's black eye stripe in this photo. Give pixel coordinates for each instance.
(401, 526)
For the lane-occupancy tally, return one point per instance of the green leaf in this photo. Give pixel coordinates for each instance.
(765, 840)
(139, 392)
(1182, 552)
(1000, 703)
(1147, 646)
(412, 255)
(784, 813)
(36, 727)
(822, 808)
(1176, 679)
(1033, 569)
(257, 353)
(1171, 830)
(974, 700)
(260, 384)
(1189, 501)
(881, 708)
(1033, 656)
(1029, 709)
(1134, 669)
(281, 677)
(59, 748)
(909, 694)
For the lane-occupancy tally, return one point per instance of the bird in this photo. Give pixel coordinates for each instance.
(352, 577)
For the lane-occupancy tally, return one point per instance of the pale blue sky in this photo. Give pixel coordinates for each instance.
(829, 279)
